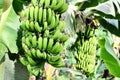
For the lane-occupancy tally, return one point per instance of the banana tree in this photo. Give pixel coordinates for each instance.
(85, 20)
(104, 14)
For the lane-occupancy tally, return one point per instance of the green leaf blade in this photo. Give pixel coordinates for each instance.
(108, 56)
(9, 29)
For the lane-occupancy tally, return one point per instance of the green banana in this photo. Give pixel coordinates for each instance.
(49, 11)
(34, 41)
(23, 39)
(53, 4)
(35, 71)
(27, 23)
(44, 15)
(27, 13)
(56, 34)
(22, 14)
(55, 48)
(33, 52)
(30, 37)
(41, 3)
(60, 64)
(37, 27)
(45, 25)
(23, 25)
(36, 13)
(29, 68)
(47, 3)
(25, 47)
(51, 62)
(29, 53)
(54, 58)
(57, 19)
(52, 24)
(34, 2)
(50, 44)
(40, 14)
(32, 12)
(40, 45)
(91, 33)
(59, 49)
(23, 61)
(63, 8)
(44, 55)
(63, 37)
(45, 40)
(61, 26)
(31, 61)
(32, 26)
(58, 5)
(46, 33)
(27, 42)
(54, 63)
(39, 54)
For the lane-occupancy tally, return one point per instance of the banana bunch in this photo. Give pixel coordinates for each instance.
(43, 35)
(86, 56)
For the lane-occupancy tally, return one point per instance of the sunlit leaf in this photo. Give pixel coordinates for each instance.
(9, 29)
(109, 9)
(111, 25)
(109, 57)
(106, 8)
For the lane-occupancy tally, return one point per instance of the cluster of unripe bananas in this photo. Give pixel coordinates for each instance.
(85, 44)
(85, 47)
(86, 56)
(43, 35)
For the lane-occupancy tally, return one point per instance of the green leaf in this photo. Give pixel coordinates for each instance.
(109, 57)
(12, 70)
(21, 72)
(9, 29)
(109, 9)
(8, 68)
(117, 8)
(105, 9)
(1, 3)
(111, 24)
(89, 3)
(6, 4)
(3, 49)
